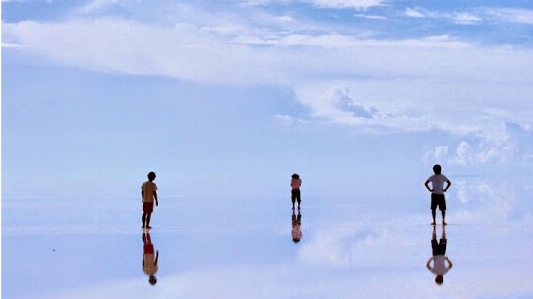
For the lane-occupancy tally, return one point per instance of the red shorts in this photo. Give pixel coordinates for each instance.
(148, 207)
(148, 249)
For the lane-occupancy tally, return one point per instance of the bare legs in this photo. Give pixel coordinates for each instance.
(434, 214)
(146, 220)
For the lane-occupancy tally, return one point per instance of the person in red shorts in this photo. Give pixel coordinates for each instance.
(149, 194)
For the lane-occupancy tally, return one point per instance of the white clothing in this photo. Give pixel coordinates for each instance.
(437, 182)
(439, 265)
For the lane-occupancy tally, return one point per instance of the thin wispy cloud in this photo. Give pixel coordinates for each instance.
(416, 13)
(466, 19)
(95, 6)
(511, 15)
(357, 4)
(333, 4)
(371, 17)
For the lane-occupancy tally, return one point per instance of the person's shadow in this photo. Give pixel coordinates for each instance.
(438, 257)
(296, 227)
(150, 258)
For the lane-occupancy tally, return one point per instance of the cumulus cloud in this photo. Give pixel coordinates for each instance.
(493, 197)
(441, 151)
(336, 103)
(465, 153)
(477, 150)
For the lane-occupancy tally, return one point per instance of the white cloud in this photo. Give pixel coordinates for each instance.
(512, 15)
(465, 153)
(466, 19)
(371, 17)
(474, 150)
(441, 152)
(287, 120)
(461, 18)
(358, 4)
(338, 4)
(96, 5)
(415, 13)
(414, 84)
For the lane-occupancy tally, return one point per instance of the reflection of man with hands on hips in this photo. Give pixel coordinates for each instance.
(439, 257)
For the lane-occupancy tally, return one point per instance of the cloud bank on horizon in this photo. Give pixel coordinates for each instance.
(373, 65)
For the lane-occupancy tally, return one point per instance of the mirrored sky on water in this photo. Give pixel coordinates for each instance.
(371, 244)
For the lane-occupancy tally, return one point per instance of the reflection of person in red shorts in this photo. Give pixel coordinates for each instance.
(149, 194)
(149, 259)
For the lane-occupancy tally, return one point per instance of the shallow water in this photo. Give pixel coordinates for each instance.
(371, 245)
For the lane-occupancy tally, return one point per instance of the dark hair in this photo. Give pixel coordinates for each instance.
(152, 280)
(151, 175)
(439, 279)
(437, 169)
(295, 176)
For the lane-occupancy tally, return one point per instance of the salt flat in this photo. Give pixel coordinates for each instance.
(351, 247)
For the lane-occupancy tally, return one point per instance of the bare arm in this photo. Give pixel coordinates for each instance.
(156, 257)
(449, 262)
(429, 262)
(448, 184)
(427, 186)
(155, 197)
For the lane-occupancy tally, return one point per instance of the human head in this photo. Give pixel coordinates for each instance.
(152, 280)
(151, 175)
(295, 176)
(439, 279)
(437, 169)
(296, 240)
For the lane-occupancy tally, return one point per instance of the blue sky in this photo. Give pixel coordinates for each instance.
(231, 97)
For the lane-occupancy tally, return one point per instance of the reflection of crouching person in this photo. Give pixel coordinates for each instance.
(296, 224)
(439, 258)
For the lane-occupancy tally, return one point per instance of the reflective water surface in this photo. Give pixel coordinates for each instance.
(373, 244)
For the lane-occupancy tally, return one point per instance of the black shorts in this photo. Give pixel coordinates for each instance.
(438, 248)
(295, 195)
(438, 200)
